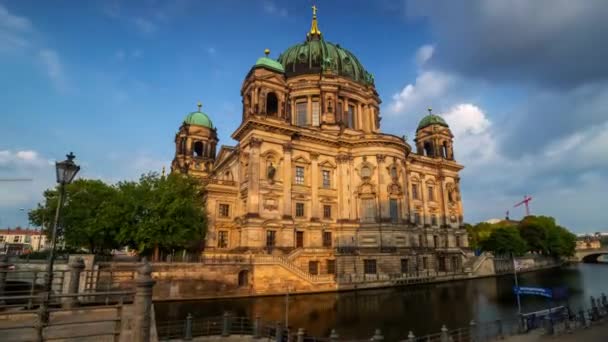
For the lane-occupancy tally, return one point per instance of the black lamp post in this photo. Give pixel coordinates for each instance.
(66, 171)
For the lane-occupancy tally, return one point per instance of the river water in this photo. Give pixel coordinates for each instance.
(421, 308)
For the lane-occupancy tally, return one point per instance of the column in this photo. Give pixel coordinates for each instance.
(253, 202)
(309, 110)
(342, 160)
(407, 204)
(444, 200)
(424, 195)
(314, 186)
(287, 179)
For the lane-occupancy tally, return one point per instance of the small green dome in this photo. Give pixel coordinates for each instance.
(198, 119)
(269, 63)
(431, 119)
(316, 55)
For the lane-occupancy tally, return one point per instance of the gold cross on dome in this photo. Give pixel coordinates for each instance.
(314, 10)
(199, 105)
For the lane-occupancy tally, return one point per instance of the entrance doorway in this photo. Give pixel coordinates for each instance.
(299, 239)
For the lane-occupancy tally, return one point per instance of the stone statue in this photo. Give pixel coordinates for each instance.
(271, 172)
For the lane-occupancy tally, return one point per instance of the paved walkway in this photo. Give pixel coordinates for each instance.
(596, 333)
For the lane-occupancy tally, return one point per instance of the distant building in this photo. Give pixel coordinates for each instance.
(588, 242)
(18, 240)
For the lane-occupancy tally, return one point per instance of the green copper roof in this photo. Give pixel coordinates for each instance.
(431, 119)
(269, 63)
(199, 119)
(316, 55)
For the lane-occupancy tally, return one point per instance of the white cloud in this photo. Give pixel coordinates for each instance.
(271, 8)
(13, 31)
(54, 68)
(424, 53)
(13, 22)
(144, 26)
(211, 51)
(429, 85)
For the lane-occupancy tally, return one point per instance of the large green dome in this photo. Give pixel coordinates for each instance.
(198, 118)
(316, 55)
(431, 119)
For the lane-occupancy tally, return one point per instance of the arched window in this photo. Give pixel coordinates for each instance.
(393, 172)
(198, 149)
(243, 278)
(366, 172)
(445, 150)
(182, 145)
(272, 104)
(428, 149)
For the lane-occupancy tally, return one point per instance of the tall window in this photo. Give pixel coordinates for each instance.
(326, 239)
(315, 113)
(394, 210)
(431, 193)
(313, 267)
(425, 263)
(340, 111)
(301, 113)
(368, 209)
(433, 220)
(272, 104)
(405, 267)
(299, 209)
(420, 241)
(350, 116)
(366, 172)
(326, 179)
(415, 191)
(435, 241)
(393, 172)
(327, 211)
(458, 241)
(271, 238)
(222, 239)
(17, 238)
(331, 266)
(1, 238)
(417, 218)
(369, 266)
(224, 210)
(300, 175)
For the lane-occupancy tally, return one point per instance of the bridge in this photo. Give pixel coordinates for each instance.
(590, 255)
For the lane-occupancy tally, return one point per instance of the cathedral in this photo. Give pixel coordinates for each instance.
(314, 181)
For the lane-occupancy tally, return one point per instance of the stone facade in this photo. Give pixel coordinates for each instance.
(313, 179)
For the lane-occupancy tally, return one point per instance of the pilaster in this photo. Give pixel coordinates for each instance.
(315, 185)
(287, 178)
(253, 202)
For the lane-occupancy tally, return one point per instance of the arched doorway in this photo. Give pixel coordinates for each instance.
(198, 149)
(243, 278)
(272, 104)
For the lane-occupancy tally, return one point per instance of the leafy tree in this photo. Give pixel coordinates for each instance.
(504, 241)
(161, 213)
(479, 233)
(87, 218)
(533, 230)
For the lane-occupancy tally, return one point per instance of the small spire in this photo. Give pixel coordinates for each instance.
(267, 52)
(430, 110)
(314, 28)
(163, 172)
(199, 105)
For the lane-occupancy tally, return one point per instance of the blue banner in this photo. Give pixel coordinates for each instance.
(534, 291)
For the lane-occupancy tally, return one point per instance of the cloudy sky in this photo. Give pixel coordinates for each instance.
(523, 85)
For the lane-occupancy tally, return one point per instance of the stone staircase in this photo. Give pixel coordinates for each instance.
(293, 268)
(473, 263)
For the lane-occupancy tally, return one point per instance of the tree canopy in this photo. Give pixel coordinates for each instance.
(152, 214)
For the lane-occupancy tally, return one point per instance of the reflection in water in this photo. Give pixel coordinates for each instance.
(422, 309)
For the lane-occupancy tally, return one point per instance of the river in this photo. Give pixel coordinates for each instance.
(421, 308)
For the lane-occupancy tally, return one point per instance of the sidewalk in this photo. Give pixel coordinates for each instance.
(596, 333)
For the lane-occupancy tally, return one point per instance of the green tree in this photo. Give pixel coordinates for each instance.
(534, 231)
(87, 218)
(479, 233)
(504, 241)
(161, 213)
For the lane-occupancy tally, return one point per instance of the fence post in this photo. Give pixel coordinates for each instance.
(278, 336)
(604, 301)
(444, 334)
(473, 331)
(3, 270)
(226, 324)
(188, 333)
(581, 314)
(411, 337)
(499, 328)
(256, 327)
(333, 336)
(143, 303)
(378, 336)
(594, 309)
(76, 267)
(300, 336)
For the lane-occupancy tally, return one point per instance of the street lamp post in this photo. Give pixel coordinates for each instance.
(66, 171)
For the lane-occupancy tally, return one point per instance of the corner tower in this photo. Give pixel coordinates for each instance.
(434, 138)
(195, 144)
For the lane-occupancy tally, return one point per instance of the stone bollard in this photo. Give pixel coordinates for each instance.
(76, 267)
(473, 331)
(444, 334)
(279, 333)
(604, 301)
(411, 337)
(188, 332)
(499, 328)
(142, 307)
(226, 325)
(257, 328)
(333, 336)
(378, 336)
(581, 315)
(3, 269)
(300, 336)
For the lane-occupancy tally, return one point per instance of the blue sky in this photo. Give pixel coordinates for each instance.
(523, 87)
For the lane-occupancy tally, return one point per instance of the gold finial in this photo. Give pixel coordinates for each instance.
(267, 52)
(314, 28)
(199, 105)
(430, 110)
